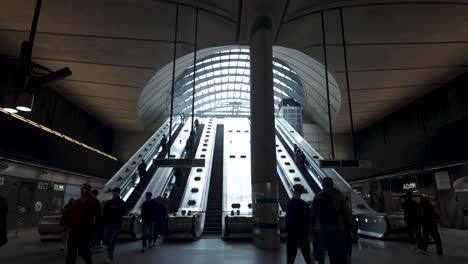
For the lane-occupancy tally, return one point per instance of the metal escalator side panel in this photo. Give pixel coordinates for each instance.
(236, 166)
(158, 181)
(290, 174)
(237, 185)
(370, 222)
(123, 178)
(295, 138)
(194, 200)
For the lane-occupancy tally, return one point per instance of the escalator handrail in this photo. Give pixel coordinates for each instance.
(131, 173)
(287, 145)
(153, 178)
(313, 162)
(148, 156)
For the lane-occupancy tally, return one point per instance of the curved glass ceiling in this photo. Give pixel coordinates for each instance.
(222, 85)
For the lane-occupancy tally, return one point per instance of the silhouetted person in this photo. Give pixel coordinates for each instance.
(82, 221)
(142, 170)
(113, 213)
(148, 216)
(163, 143)
(331, 209)
(297, 226)
(295, 148)
(65, 211)
(182, 118)
(302, 159)
(429, 221)
(3, 221)
(159, 224)
(412, 216)
(197, 124)
(96, 243)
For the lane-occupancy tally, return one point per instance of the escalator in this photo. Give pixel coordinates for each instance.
(283, 196)
(169, 144)
(140, 188)
(213, 219)
(177, 191)
(313, 185)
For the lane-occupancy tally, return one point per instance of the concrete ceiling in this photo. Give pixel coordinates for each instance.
(397, 50)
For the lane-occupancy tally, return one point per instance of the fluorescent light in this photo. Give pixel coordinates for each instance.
(25, 101)
(23, 109)
(10, 110)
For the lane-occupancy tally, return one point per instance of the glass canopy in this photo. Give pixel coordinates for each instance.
(222, 85)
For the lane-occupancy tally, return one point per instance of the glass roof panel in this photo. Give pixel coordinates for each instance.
(222, 85)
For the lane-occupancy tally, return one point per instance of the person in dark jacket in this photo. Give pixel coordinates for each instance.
(159, 224)
(429, 221)
(142, 170)
(81, 224)
(65, 211)
(97, 241)
(297, 226)
(331, 209)
(163, 143)
(113, 213)
(148, 216)
(197, 125)
(3, 221)
(412, 216)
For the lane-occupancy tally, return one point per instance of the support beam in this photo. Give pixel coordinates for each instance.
(263, 161)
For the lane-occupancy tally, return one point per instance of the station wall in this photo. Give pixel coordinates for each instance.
(33, 191)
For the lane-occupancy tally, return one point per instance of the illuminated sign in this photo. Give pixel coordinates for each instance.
(59, 187)
(409, 186)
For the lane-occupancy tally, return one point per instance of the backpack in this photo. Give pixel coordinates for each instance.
(325, 210)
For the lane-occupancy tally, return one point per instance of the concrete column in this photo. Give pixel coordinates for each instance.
(262, 121)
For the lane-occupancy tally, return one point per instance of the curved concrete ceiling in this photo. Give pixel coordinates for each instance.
(397, 50)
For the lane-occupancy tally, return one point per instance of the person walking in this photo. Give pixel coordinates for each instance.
(412, 216)
(297, 226)
(302, 160)
(113, 213)
(65, 211)
(142, 170)
(197, 125)
(148, 212)
(159, 223)
(81, 224)
(3, 221)
(163, 143)
(330, 208)
(97, 241)
(430, 220)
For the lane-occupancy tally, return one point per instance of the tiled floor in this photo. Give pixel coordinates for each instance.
(28, 250)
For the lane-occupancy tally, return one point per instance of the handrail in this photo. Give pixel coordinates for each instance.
(345, 187)
(130, 176)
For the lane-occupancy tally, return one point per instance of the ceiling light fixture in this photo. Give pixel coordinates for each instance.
(25, 101)
(8, 103)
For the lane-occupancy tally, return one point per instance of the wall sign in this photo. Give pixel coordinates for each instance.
(59, 187)
(409, 186)
(42, 185)
(443, 180)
